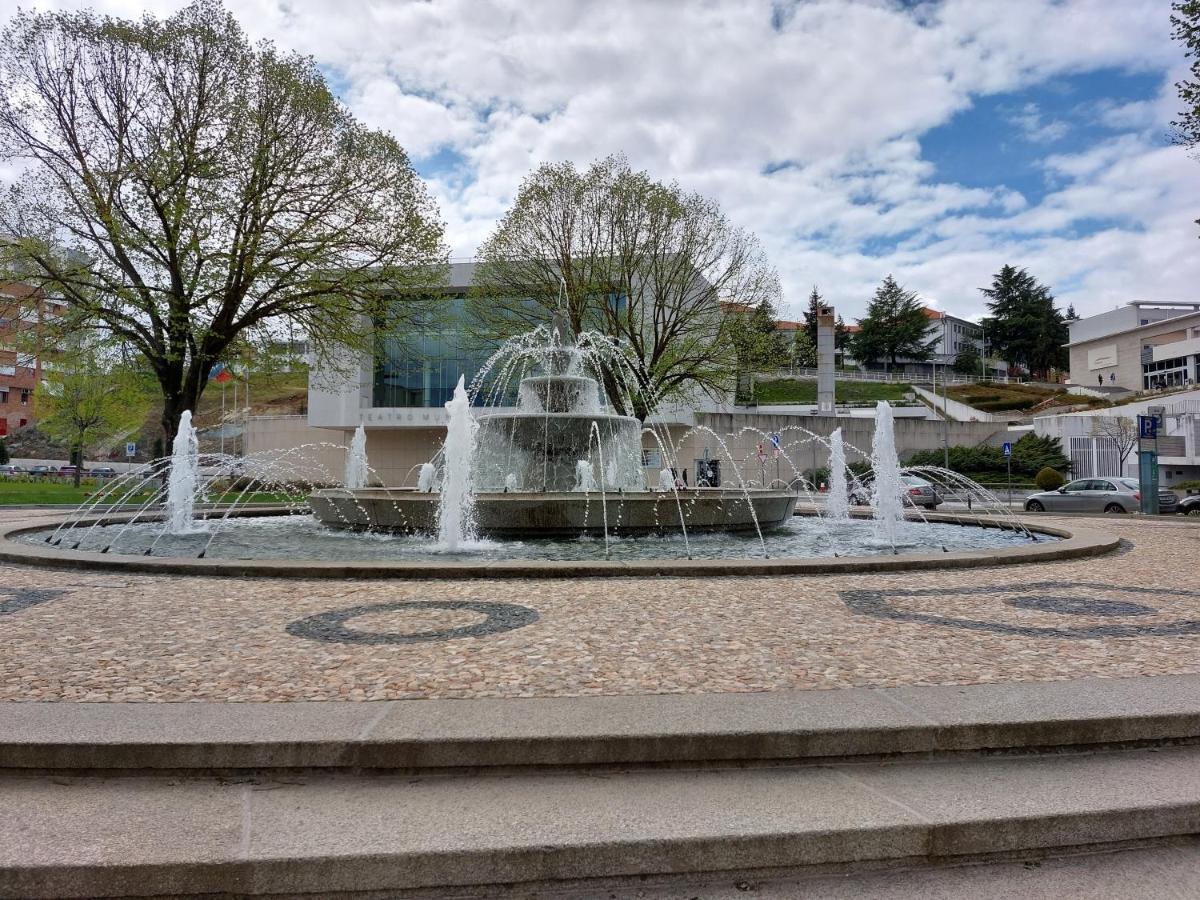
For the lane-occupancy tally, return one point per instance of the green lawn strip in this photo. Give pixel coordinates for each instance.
(789, 390)
(34, 493)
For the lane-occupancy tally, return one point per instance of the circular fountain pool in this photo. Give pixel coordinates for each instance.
(300, 538)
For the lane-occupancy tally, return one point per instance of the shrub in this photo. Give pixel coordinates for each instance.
(3, 453)
(1049, 479)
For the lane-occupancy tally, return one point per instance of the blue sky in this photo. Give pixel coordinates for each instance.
(934, 140)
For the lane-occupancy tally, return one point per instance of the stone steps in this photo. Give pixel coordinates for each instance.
(470, 795)
(311, 833)
(679, 729)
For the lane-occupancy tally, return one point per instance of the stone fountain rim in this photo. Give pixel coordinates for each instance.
(1073, 544)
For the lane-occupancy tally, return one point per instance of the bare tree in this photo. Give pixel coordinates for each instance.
(186, 191)
(1121, 430)
(645, 263)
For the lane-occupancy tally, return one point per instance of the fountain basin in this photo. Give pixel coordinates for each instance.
(557, 513)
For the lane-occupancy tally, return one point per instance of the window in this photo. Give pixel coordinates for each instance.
(652, 459)
(23, 423)
(4, 395)
(24, 396)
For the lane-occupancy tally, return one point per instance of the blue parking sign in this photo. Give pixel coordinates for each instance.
(1148, 427)
(1008, 448)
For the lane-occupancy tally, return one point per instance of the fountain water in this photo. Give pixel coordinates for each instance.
(887, 490)
(426, 478)
(837, 506)
(356, 461)
(456, 522)
(585, 477)
(181, 483)
(532, 468)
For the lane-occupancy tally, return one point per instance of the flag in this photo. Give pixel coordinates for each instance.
(220, 373)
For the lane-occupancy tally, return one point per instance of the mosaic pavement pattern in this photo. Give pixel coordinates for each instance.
(111, 637)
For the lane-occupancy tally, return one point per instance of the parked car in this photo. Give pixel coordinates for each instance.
(11, 471)
(1189, 506)
(103, 472)
(1093, 495)
(69, 471)
(42, 471)
(917, 492)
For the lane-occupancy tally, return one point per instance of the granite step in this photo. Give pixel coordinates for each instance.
(316, 833)
(748, 728)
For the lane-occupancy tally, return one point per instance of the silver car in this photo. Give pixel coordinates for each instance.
(917, 492)
(1093, 495)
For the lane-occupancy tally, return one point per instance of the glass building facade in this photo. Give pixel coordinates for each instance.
(422, 367)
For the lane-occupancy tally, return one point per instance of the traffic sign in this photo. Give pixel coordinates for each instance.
(775, 442)
(130, 449)
(1147, 427)
(1008, 448)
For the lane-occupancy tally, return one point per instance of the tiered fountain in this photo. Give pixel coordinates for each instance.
(556, 464)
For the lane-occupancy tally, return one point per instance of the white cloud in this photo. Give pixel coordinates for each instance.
(831, 105)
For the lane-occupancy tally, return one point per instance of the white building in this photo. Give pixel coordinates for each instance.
(1140, 346)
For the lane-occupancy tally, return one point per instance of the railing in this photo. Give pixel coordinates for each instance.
(806, 373)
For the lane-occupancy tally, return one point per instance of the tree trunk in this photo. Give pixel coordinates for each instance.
(77, 459)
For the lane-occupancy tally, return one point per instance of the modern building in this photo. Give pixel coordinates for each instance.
(1140, 346)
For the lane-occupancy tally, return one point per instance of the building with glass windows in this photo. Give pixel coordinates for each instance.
(1139, 347)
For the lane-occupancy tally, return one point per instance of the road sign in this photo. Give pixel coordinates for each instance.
(775, 442)
(1147, 427)
(1008, 448)
(130, 449)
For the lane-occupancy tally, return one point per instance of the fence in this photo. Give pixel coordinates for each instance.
(805, 373)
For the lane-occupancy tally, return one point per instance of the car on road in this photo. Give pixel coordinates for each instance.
(69, 471)
(103, 472)
(42, 471)
(1097, 495)
(917, 492)
(11, 471)
(1189, 506)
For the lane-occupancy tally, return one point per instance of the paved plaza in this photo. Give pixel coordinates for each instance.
(125, 637)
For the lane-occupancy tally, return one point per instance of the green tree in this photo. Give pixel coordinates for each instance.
(1185, 28)
(758, 344)
(804, 349)
(1025, 327)
(3, 452)
(968, 360)
(186, 190)
(82, 403)
(895, 326)
(816, 307)
(645, 263)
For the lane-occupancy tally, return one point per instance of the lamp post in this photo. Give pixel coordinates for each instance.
(945, 404)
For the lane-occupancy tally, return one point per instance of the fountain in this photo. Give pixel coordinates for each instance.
(536, 448)
(182, 481)
(356, 461)
(456, 520)
(837, 506)
(533, 469)
(887, 490)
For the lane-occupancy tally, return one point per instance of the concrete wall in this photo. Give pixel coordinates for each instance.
(271, 435)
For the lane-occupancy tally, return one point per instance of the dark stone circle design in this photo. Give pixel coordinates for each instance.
(330, 627)
(875, 604)
(1078, 606)
(20, 599)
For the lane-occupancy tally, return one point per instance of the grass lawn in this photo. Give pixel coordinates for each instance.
(789, 390)
(34, 492)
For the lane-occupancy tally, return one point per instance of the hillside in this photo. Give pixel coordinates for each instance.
(271, 394)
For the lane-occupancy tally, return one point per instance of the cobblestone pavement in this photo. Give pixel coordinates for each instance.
(112, 637)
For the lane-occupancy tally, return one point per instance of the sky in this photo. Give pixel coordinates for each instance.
(935, 141)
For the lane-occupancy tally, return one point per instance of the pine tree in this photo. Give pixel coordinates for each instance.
(1025, 327)
(816, 307)
(895, 326)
